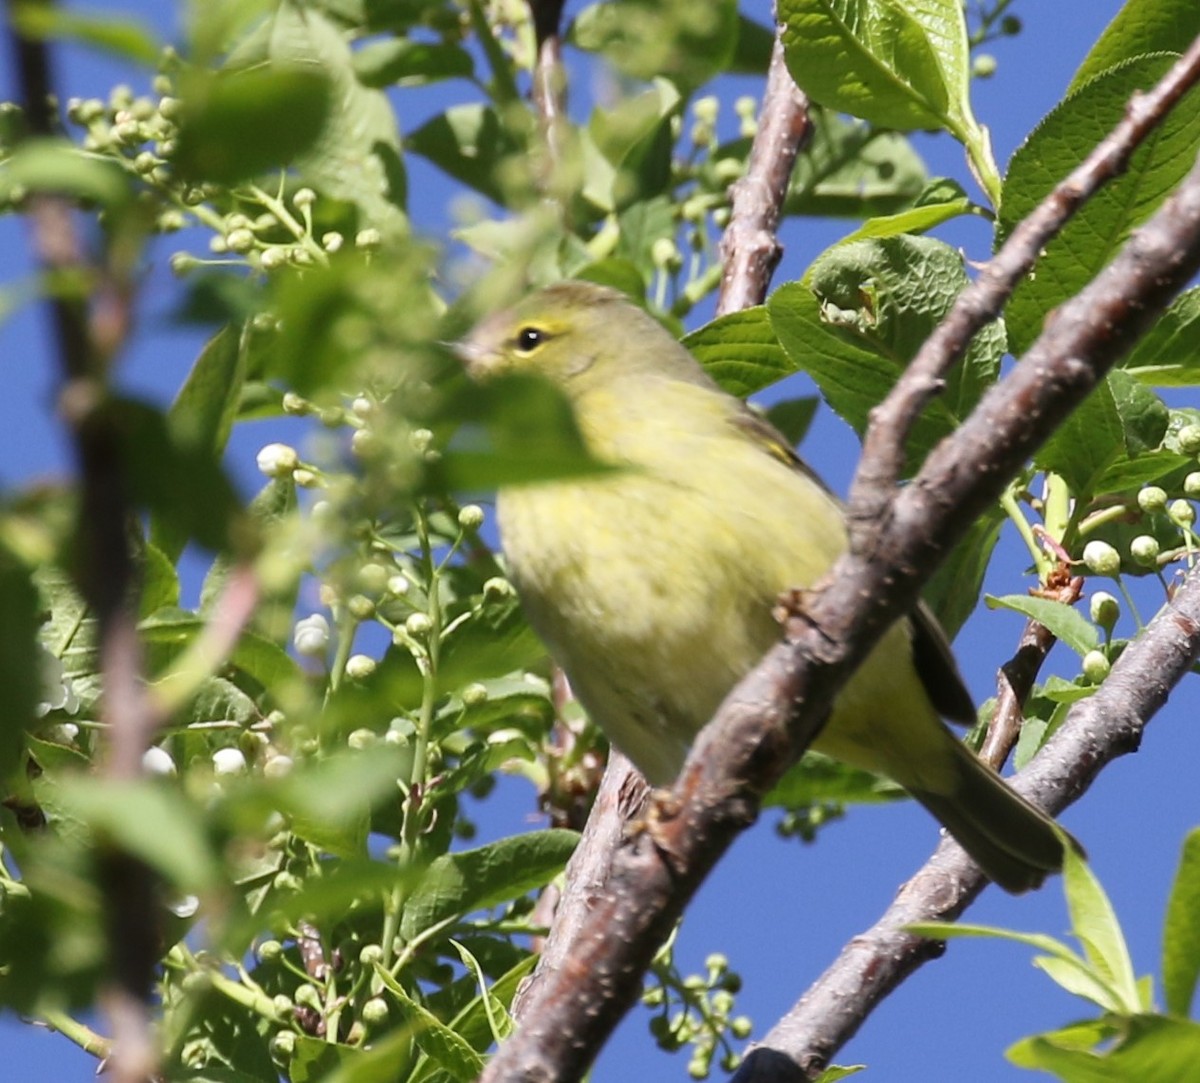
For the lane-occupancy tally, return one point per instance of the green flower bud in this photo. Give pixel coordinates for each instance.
(1096, 666)
(361, 607)
(470, 517)
(1101, 558)
(274, 257)
(240, 241)
(1189, 439)
(1152, 498)
(1105, 610)
(269, 950)
(295, 404)
(418, 625)
(1181, 512)
(474, 695)
(375, 1012)
(362, 739)
(304, 197)
(283, 1042)
(983, 66)
(309, 996)
(1144, 550)
(371, 954)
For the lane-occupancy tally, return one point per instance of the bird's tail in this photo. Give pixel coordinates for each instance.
(1015, 843)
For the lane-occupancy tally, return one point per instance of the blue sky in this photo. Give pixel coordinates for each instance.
(779, 910)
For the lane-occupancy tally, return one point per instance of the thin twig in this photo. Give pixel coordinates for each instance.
(750, 249)
(88, 335)
(1015, 679)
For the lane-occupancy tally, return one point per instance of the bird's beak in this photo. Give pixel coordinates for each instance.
(475, 358)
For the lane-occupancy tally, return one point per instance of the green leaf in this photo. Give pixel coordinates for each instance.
(355, 152)
(793, 417)
(404, 62)
(1094, 923)
(519, 429)
(175, 630)
(1152, 1049)
(902, 66)
(1181, 930)
(852, 170)
(1066, 622)
(915, 220)
(239, 124)
(457, 884)
(127, 39)
(819, 779)
(472, 145)
(635, 140)
(752, 53)
(1169, 354)
(866, 310)
(1116, 424)
(1138, 29)
(20, 660)
(202, 416)
(676, 39)
(59, 167)
(1101, 227)
(740, 351)
(437, 1041)
(329, 802)
(953, 592)
(151, 820)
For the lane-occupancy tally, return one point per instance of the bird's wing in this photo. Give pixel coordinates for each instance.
(932, 657)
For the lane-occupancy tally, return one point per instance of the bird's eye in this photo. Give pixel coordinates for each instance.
(529, 339)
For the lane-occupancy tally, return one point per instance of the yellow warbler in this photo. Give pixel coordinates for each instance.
(653, 586)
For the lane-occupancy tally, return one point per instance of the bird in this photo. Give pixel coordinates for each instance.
(653, 585)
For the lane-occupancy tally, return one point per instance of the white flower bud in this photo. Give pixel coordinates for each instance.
(311, 635)
(157, 761)
(359, 666)
(1191, 484)
(474, 695)
(278, 766)
(277, 460)
(229, 761)
(398, 585)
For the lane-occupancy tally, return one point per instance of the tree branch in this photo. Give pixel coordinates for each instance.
(87, 337)
(770, 717)
(749, 248)
(1097, 730)
(982, 301)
